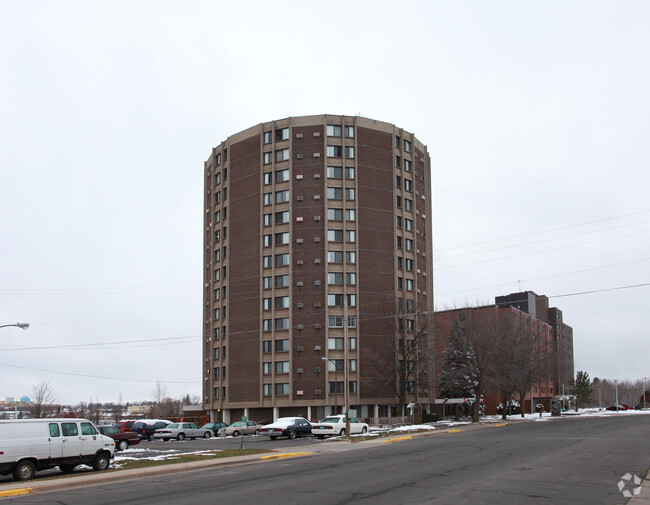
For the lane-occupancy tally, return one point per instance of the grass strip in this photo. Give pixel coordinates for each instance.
(230, 453)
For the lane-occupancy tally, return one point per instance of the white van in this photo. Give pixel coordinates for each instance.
(30, 445)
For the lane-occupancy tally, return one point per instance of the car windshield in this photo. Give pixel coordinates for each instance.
(331, 420)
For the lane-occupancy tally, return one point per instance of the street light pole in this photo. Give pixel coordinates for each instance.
(644, 379)
(346, 384)
(22, 326)
(336, 381)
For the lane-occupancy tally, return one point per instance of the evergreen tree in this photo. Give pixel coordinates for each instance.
(459, 369)
(582, 389)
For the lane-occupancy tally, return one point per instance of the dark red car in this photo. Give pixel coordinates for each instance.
(122, 439)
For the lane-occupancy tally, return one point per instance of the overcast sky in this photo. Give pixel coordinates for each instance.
(536, 116)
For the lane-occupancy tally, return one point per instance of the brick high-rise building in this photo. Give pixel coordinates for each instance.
(307, 218)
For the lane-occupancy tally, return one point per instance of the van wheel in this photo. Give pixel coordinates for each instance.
(24, 470)
(123, 445)
(101, 462)
(67, 468)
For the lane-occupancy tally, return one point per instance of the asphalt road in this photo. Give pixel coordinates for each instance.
(576, 461)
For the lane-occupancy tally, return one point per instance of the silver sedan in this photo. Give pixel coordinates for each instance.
(179, 431)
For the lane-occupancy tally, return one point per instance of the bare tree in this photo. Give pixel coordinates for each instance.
(42, 399)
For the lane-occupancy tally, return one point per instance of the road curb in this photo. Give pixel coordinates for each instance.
(16, 492)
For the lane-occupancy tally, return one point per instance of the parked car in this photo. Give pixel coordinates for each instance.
(240, 428)
(123, 439)
(335, 425)
(145, 428)
(180, 431)
(214, 427)
(291, 427)
(124, 425)
(620, 407)
(30, 445)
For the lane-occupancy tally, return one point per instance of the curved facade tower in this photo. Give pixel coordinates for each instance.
(309, 220)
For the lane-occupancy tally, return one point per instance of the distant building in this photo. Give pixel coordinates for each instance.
(537, 307)
(315, 228)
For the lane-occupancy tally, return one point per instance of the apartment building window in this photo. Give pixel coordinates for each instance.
(282, 155)
(217, 216)
(398, 181)
(217, 255)
(282, 217)
(352, 365)
(215, 393)
(215, 334)
(268, 198)
(334, 172)
(349, 131)
(217, 314)
(398, 201)
(409, 284)
(223, 392)
(281, 302)
(335, 214)
(282, 345)
(407, 146)
(335, 235)
(349, 172)
(267, 389)
(408, 224)
(267, 178)
(408, 244)
(218, 159)
(334, 130)
(282, 196)
(267, 346)
(281, 260)
(335, 321)
(408, 166)
(336, 387)
(217, 178)
(282, 389)
(267, 303)
(282, 175)
(267, 324)
(217, 197)
(267, 261)
(217, 274)
(408, 204)
(350, 236)
(267, 282)
(335, 365)
(282, 281)
(334, 193)
(267, 368)
(217, 294)
(335, 256)
(281, 323)
(408, 185)
(398, 142)
(399, 262)
(409, 264)
(350, 257)
(281, 134)
(352, 322)
(335, 278)
(335, 300)
(350, 278)
(399, 221)
(268, 158)
(267, 240)
(349, 215)
(400, 283)
(335, 343)
(352, 343)
(352, 300)
(334, 151)
(267, 137)
(282, 238)
(352, 385)
(266, 219)
(349, 152)
(398, 161)
(349, 193)
(216, 353)
(281, 367)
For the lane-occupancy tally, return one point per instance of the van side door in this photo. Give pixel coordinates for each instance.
(71, 439)
(56, 440)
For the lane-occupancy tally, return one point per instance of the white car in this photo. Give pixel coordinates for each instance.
(335, 425)
(179, 431)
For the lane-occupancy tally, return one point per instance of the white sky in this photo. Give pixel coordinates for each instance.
(536, 116)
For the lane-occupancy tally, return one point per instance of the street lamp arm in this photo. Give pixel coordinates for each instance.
(23, 326)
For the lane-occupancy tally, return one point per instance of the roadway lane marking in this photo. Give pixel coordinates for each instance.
(455, 431)
(501, 424)
(399, 439)
(16, 492)
(285, 455)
